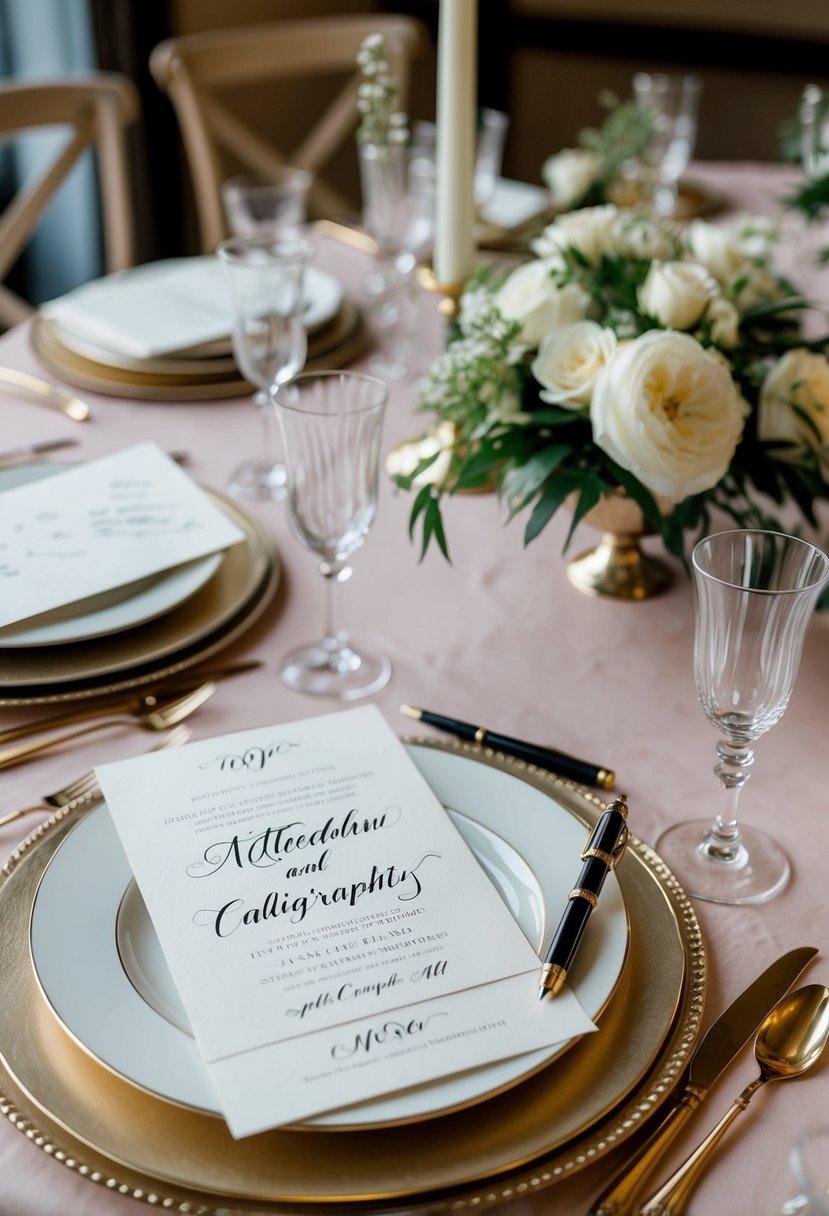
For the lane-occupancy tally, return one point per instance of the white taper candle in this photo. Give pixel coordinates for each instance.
(456, 133)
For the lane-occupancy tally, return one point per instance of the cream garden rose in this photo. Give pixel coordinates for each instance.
(797, 385)
(724, 320)
(569, 360)
(530, 296)
(667, 412)
(677, 293)
(569, 175)
(590, 231)
(719, 250)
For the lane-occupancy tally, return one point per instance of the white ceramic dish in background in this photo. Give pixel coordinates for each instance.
(136, 1025)
(84, 332)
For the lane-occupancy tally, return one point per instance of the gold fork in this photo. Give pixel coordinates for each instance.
(86, 788)
(162, 717)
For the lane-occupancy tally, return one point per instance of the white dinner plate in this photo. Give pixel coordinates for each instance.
(112, 611)
(85, 320)
(127, 1013)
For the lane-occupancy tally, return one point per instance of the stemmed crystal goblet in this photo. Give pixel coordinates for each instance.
(673, 102)
(266, 276)
(809, 1161)
(755, 594)
(331, 424)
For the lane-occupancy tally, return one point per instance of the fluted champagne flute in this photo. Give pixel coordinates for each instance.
(266, 276)
(755, 594)
(331, 425)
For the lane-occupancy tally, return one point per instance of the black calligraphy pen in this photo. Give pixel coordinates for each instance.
(533, 753)
(602, 853)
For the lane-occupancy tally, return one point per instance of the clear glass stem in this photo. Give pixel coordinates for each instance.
(263, 404)
(722, 841)
(333, 573)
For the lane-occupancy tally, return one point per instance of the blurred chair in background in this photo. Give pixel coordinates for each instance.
(195, 68)
(97, 109)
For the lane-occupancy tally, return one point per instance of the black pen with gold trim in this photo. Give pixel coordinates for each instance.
(602, 853)
(543, 757)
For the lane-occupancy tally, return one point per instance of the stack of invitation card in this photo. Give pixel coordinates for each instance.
(331, 935)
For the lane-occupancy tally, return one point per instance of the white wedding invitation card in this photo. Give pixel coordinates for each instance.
(331, 934)
(101, 525)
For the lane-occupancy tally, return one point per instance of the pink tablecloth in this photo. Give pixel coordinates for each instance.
(500, 636)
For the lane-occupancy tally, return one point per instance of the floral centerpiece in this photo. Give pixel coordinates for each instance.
(627, 356)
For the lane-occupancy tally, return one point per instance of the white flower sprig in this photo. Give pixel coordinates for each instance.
(381, 123)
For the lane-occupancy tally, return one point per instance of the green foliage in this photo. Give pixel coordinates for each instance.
(623, 136)
(541, 455)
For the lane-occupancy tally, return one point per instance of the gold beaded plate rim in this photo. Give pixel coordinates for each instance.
(481, 1179)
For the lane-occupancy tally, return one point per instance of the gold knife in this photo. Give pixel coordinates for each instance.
(720, 1045)
(135, 703)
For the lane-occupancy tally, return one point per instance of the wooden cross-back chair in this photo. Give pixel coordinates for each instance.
(193, 69)
(96, 109)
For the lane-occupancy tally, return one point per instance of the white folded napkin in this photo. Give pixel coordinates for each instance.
(513, 203)
(152, 310)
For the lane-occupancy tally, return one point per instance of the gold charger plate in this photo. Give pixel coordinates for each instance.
(226, 606)
(549, 1126)
(338, 343)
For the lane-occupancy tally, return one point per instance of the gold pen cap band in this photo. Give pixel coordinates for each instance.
(553, 977)
(582, 893)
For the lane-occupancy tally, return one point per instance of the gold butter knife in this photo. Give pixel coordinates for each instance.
(136, 703)
(720, 1045)
(46, 394)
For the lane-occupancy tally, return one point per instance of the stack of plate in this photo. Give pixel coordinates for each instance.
(78, 353)
(143, 631)
(99, 1068)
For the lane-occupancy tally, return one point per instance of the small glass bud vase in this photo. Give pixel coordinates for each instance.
(384, 170)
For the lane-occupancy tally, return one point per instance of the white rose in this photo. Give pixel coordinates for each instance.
(797, 384)
(755, 234)
(667, 412)
(756, 287)
(676, 293)
(569, 175)
(724, 320)
(569, 360)
(639, 234)
(718, 250)
(530, 296)
(589, 230)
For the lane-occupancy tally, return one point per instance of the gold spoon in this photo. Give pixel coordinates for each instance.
(789, 1041)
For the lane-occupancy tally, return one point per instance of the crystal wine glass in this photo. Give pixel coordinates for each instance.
(809, 1160)
(273, 206)
(755, 594)
(673, 101)
(331, 424)
(814, 132)
(266, 279)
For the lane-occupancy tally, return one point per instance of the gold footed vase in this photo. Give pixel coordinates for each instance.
(617, 568)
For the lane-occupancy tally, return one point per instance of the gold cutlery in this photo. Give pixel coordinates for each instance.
(162, 717)
(790, 1041)
(46, 394)
(719, 1046)
(127, 705)
(36, 449)
(86, 788)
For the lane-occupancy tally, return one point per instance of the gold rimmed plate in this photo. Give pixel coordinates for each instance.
(551, 1124)
(339, 342)
(139, 1027)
